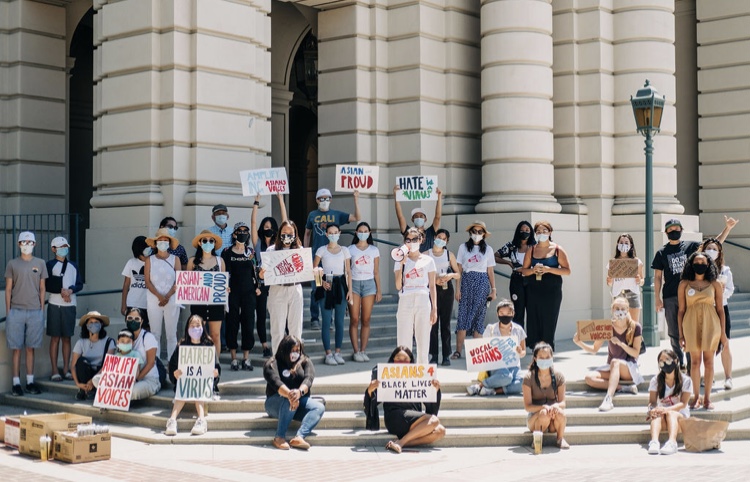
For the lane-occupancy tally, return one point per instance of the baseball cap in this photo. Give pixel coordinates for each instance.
(219, 207)
(418, 211)
(26, 236)
(59, 242)
(322, 193)
(672, 222)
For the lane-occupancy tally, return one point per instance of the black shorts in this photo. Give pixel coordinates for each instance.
(208, 312)
(399, 422)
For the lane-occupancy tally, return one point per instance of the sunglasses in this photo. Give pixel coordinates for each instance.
(209, 241)
(477, 231)
(172, 226)
(130, 318)
(324, 199)
(26, 243)
(411, 240)
(665, 362)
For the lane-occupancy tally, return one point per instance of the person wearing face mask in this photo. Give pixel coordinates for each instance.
(629, 288)
(476, 267)
(24, 298)
(63, 283)
(336, 292)
(285, 302)
(134, 278)
(316, 237)
(195, 335)
(89, 351)
(623, 350)
(700, 320)
(170, 224)
(160, 273)
(714, 250)
(365, 266)
(145, 344)
(447, 271)
(504, 380)
(545, 266)
(417, 297)
(289, 376)
(668, 264)
(419, 219)
(124, 349)
(544, 395)
(263, 236)
(668, 396)
(206, 244)
(220, 216)
(513, 254)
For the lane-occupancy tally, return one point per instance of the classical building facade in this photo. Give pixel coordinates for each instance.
(127, 111)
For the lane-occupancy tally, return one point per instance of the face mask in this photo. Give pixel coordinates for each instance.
(711, 253)
(414, 247)
(477, 238)
(63, 252)
(419, 222)
(623, 248)
(287, 239)
(700, 268)
(363, 236)
(674, 235)
(94, 328)
(195, 332)
(162, 245)
(544, 363)
(243, 237)
(125, 347)
(542, 238)
(268, 233)
(505, 319)
(324, 205)
(147, 251)
(402, 361)
(221, 219)
(669, 367)
(619, 314)
(334, 238)
(172, 232)
(440, 243)
(525, 235)
(294, 356)
(27, 249)
(207, 247)
(133, 325)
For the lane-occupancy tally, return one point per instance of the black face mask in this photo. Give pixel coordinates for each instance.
(268, 233)
(525, 235)
(700, 268)
(505, 319)
(133, 325)
(674, 235)
(669, 367)
(243, 237)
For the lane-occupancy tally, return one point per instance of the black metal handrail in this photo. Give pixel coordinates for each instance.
(85, 293)
(726, 241)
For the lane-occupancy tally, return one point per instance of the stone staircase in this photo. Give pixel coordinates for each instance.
(739, 311)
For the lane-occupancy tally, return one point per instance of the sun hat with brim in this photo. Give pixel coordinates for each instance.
(94, 314)
(479, 224)
(163, 233)
(207, 234)
(672, 222)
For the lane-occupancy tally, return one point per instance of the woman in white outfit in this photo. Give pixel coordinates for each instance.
(160, 272)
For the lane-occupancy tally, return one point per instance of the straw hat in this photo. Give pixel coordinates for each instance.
(207, 234)
(479, 224)
(163, 233)
(94, 314)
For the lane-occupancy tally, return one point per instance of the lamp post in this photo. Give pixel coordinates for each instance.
(648, 107)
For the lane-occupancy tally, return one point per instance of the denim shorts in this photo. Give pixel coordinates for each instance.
(364, 287)
(634, 299)
(24, 328)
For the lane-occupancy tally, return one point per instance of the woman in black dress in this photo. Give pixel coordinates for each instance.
(513, 255)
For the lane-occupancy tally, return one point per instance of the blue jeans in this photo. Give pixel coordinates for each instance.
(308, 413)
(505, 378)
(314, 305)
(340, 312)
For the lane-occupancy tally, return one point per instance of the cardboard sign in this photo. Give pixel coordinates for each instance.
(116, 383)
(264, 181)
(288, 266)
(197, 366)
(417, 188)
(357, 178)
(491, 353)
(623, 268)
(594, 330)
(202, 288)
(406, 382)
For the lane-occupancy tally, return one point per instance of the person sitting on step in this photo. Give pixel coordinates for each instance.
(668, 397)
(544, 395)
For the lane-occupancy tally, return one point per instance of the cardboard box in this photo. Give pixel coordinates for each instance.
(12, 432)
(34, 426)
(68, 447)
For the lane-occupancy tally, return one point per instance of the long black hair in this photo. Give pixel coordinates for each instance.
(262, 237)
(401, 348)
(205, 337)
(482, 244)
(85, 331)
(661, 377)
(139, 244)
(285, 349)
(720, 258)
(688, 273)
(517, 235)
(199, 255)
(356, 238)
(296, 244)
(533, 367)
(143, 313)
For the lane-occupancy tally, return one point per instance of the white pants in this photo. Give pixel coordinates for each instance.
(413, 319)
(285, 307)
(170, 314)
(145, 388)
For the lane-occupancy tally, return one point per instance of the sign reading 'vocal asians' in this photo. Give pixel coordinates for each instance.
(202, 287)
(287, 266)
(491, 353)
(417, 188)
(264, 181)
(357, 178)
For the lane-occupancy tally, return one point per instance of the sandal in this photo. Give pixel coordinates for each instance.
(696, 404)
(68, 376)
(56, 377)
(456, 355)
(707, 405)
(393, 447)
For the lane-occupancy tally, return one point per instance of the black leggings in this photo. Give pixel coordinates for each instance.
(241, 313)
(444, 311)
(261, 313)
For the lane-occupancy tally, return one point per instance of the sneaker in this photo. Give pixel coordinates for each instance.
(81, 395)
(474, 389)
(200, 427)
(235, 365)
(267, 352)
(339, 359)
(653, 447)
(357, 357)
(171, 427)
(16, 391)
(486, 392)
(606, 405)
(246, 365)
(224, 349)
(216, 396)
(669, 448)
(365, 358)
(330, 360)
(629, 389)
(32, 388)
(446, 362)
(315, 325)
(728, 385)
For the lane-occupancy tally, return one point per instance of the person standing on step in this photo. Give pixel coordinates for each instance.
(544, 395)
(668, 396)
(206, 259)
(447, 271)
(160, 272)
(134, 282)
(630, 288)
(170, 224)
(145, 343)
(366, 291)
(315, 235)
(63, 283)
(220, 217)
(513, 254)
(476, 266)
(24, 301)
(419, 219)
(90, 351)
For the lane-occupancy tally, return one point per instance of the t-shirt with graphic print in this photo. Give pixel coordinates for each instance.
(671, 259)
(416, 274)
(318, 221)
(670, 399)
(363, 262)
(474, 260)
(133, 270)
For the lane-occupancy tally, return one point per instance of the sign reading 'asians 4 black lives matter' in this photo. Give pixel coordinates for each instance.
(406, 382)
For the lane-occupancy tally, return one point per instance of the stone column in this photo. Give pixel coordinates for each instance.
(517, 111)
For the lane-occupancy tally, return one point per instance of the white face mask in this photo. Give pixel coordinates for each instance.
(623, 248)
(221, 219)
(324, 205)
(413, 247)
(542, 238)
(27, 249)
(712, 253)
(334, 238)
(294, 356)
(477, 238)
(419, 222)
(619, 314)
(162, 245)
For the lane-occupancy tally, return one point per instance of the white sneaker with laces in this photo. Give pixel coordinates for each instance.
(364, 356)
(653, 447)
(330, 360)
(629, 389)
(357, 357)
(728, 385)
(200, 427)
(339, 359)
(171, 427)
(669, 448)
(486, 392)
(473, 389)
(606, 405)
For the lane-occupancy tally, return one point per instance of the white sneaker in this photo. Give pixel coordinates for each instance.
(629, 389)
(653, 447)
(473, 389)
(606, 405)
(339, 359)
(171, 427)
(357, 357)
(728, 385)
(486, 392)
(364, 356)
(669, 448)
(200, 427)
(330, 360)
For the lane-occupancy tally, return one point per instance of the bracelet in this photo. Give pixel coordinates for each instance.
(256, 203)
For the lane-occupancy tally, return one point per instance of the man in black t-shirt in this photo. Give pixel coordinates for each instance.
(419, 219)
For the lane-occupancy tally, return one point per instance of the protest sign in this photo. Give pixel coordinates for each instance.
(357, 178)
(623, 268)
(593, 330)
(406, 382)
(264, 181)
(196, 382)
(417, 188)
(491, 353)
(202, 287)
(116, 382)
(287, 266)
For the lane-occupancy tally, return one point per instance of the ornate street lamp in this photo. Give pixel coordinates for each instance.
(648, 107)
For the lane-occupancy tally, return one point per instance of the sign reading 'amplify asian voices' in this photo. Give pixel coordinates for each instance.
(196, 382)
(264, 181)
(287, 266)
(491, 353)
(594, 330)
(417, 188)
(116, 382)
(357, 178)
(202, 287)
(406, 382)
